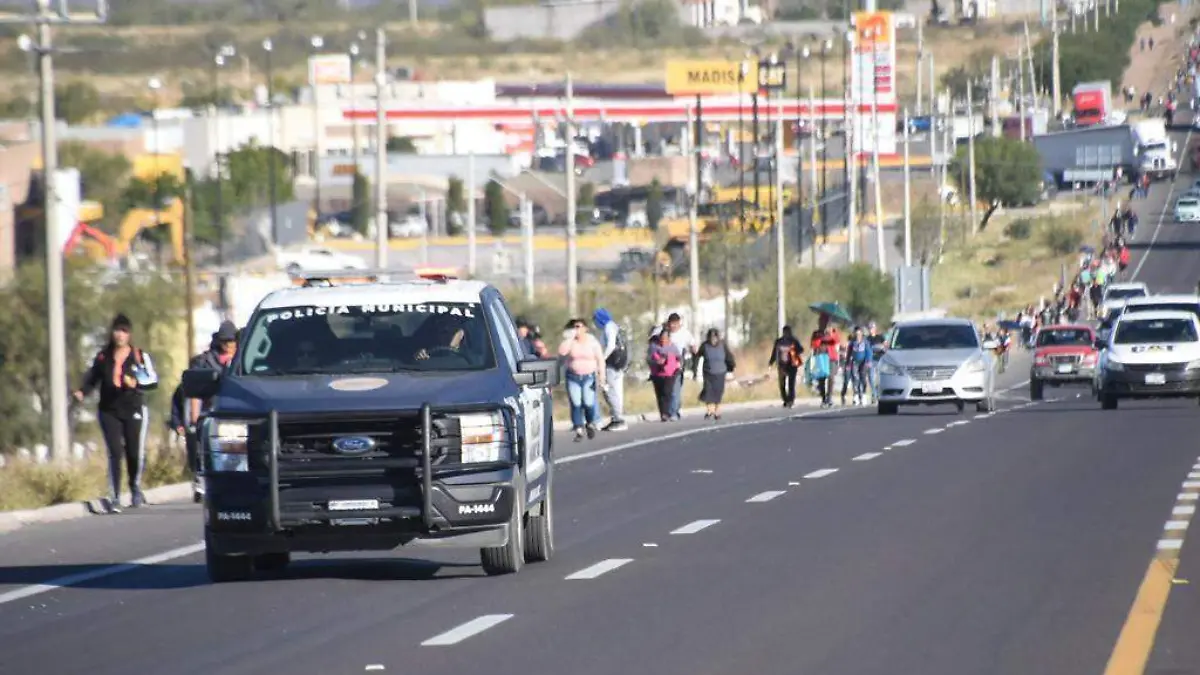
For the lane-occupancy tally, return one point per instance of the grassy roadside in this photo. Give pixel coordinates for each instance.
(27, 485)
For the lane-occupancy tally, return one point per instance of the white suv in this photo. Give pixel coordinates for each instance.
(1153, 354)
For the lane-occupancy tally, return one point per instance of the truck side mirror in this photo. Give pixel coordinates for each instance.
(539, 373)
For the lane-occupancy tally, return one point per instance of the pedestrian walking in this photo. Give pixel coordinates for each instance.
(530, 339)
(819, 366)
(718, 363)
(616, 360)
(685, 342)
(122, 372)
(585, 375)
(787, 356)
(219, 355)
(862, 365)
(665, 362)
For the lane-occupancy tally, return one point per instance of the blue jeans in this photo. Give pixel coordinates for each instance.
(865, 379)
(581, 391)
(677, 394)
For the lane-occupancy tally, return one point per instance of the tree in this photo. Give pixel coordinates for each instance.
(76, 102)
(17, 107)
(977, 70)
(401, 144)
(1007, 171)
(496, 208)
(103, 175)
(456, 204)
(926, 225)
(249, 172)
(360, 207)
(152, 193)
(654, 205)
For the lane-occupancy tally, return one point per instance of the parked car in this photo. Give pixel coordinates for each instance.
(314, 259)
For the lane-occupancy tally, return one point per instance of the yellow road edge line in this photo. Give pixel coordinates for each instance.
(1136, 640)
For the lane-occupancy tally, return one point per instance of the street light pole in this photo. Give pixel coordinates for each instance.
(381, 154)
(820, 202)
(572, 254)
(155, 85)
(318, 43)
(218, 207)
(268, 47)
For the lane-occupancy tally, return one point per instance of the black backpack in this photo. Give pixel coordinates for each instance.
(619, 358)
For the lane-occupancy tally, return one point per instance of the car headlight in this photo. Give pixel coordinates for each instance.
(485, 438)
(889, 368)
(974, 365)
(228, 443)
(1114, 365)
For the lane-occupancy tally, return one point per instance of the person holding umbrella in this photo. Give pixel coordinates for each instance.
(827, 338)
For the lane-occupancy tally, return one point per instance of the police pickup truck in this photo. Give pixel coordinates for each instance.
(372, 414)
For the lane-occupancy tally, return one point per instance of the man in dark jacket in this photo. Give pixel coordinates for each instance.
(218, 356)
(786, 356)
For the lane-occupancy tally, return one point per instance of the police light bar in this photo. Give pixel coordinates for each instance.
(307, 278)
(436, 273)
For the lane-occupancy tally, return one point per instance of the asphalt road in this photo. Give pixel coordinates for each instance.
(835, 543)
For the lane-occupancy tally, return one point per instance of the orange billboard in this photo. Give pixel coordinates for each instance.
(873, 30)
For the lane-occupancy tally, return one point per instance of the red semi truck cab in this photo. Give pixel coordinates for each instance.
(1092, 103)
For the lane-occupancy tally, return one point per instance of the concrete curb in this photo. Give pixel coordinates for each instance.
(12, 520)
(689, 412)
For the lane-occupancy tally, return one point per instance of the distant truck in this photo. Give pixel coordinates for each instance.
(1089, 155)
(1093, 105)
(1154, 149)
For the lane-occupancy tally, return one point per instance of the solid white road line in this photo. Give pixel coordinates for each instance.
(1176, 525)
(904, 442)
(931, 432)
(765, 496)
(694, 526)
(982, 416)
(602, 567)
(821, 473)
(376, 667)
(83, 577)
(1170, 544)
(1183, 510)
(701, 470)
(867, 456)
(469, 629)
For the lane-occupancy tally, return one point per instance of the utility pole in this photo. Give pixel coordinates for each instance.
(1096, 16)
(920, 59)
(412, 12)
(572, 254)
(1021, 110)
(817, 197)
(780, 251)
(971, 157)
(381, 154)
(993, 96)
(693, 235)
(851, 178)
(189, 269)
(880, 249)
(933, 116)
(471, 209)
(1034, 89)
(907, 198)
(57, 390)
(1056, 82)
(527, 243)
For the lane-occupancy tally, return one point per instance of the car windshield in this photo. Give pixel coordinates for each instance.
(1164, 307)
(1062, 337)
(1187, 203)
(1124, 293)
(934, 336)
(1143, 331)
(307, 340)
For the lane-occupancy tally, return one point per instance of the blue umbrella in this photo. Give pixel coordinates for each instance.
(833, 309)
(1086, 249)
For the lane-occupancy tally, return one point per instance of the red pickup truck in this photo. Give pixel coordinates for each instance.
(1063, 354)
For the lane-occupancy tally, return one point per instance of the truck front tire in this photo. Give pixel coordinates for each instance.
(509, 558)
(227, 568)
(539, 530)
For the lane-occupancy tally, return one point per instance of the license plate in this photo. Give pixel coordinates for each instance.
(1156, 378)
(931, 388)
(354, 505)
(1065, 367)
(342, 522)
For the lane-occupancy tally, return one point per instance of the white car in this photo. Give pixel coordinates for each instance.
(313, 259)
(410, 227)
(1150, 355)
(1187, 210)
(932, 361)
(1118, 293)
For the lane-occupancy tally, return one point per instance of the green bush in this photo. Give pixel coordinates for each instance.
(1021, 228)
(1063, 240)
(1079, 60)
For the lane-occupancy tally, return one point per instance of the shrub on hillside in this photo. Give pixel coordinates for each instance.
(1021, 228)
(1063, 240)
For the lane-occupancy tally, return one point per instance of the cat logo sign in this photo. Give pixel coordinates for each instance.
(874, 31)
(701, 78)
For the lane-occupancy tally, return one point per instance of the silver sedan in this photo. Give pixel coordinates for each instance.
(936, 361)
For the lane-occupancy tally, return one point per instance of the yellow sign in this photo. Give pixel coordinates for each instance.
(697, 78)
(874, 31)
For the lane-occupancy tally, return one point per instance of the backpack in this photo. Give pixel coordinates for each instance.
(619, 358)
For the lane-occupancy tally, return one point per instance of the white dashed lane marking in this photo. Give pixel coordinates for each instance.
(821, 473)
(958, 423)
(904, 442)
(1191, 484)
(866, 456)
(1187, 496)
(930, 432)
(471, 628)
(1176, 525)
(602, 567)
(694, 526)
(1170, 544)
(1183, 510)
(765, 496)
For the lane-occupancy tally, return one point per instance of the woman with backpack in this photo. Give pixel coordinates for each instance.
(665, 363)
(718, 363)
(122, 372)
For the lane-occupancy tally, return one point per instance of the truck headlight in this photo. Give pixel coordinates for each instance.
(889, 368)
(1114, 365)
(228, 443)
(485, 437)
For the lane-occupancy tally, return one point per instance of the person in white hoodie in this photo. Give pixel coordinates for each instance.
(616, 359)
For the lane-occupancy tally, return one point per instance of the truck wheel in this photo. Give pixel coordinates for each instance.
(539, 530)
(227, 568)
(1035, 390)
(1108, 402)
(274, 563)
(888, 408)
(509, 558)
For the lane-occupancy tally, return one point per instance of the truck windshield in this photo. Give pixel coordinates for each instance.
(934, 336)
(1064, 337)
(307, 340)
(1143, 331)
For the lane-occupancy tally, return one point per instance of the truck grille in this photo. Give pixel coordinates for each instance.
(1060, 359)
(927, 373)
(397, 436)
(1156, 367)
